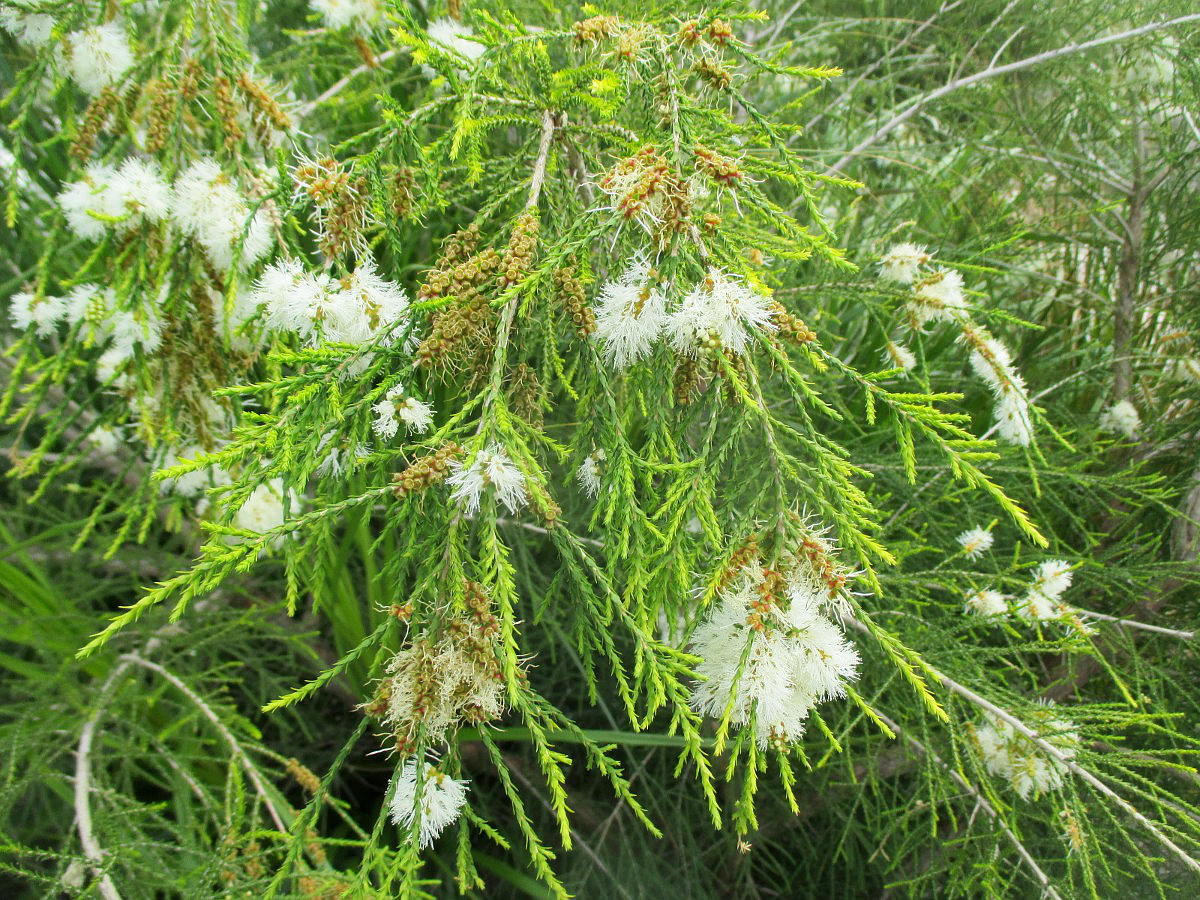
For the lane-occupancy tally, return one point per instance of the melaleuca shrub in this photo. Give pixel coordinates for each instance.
(496, 336)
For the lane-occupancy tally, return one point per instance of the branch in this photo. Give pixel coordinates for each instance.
(983, 804)
(83, 787)
(238, 753)
(916, 105)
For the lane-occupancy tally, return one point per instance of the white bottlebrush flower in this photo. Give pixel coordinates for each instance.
(1042, 602)
(630, 315)
(442, 800)
(395, 408)
(206, 205)
(352, 310)
(992, 362)
(987, 603)
(493, 469)
(1037, 607)
(362, 15)
(455, 36)
(91, 204)
(43, 313)
(902, 263)
(937, 297)
(588, 474)
(794, 658)
(975, 542)
(263, 509)
(899, 356)
(99, 56)
(1122, 418)
(717, 313)
(29, 29)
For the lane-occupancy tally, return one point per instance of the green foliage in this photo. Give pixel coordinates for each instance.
(223, 570)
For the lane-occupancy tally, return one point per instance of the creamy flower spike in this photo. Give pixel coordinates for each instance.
(899, 356)
(395, 409)
(717, 313)
(1043, 602)
(26, 310)
(631, 313)
(99, 56)
(493, 469)
(975, 542)
(1122, 418)
(441, 803)
(937, 297)
(353, 310)
(121, 198)
(903, 262)
(769, 648)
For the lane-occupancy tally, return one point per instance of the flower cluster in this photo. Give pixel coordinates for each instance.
(96, 312)
(717, 314)
(588, 474)
(631, 313)
(1050, 582)
(937, 295)
(770, 653)
(30, 29)
(441, 800)
(992, 362)
(491, 468)
(437, 684)
(355, 309)
(203, 203)
(359, 15)
(903, 262)
(1041, 603)
(122, 198)
(455, 36)
(1011, 755)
